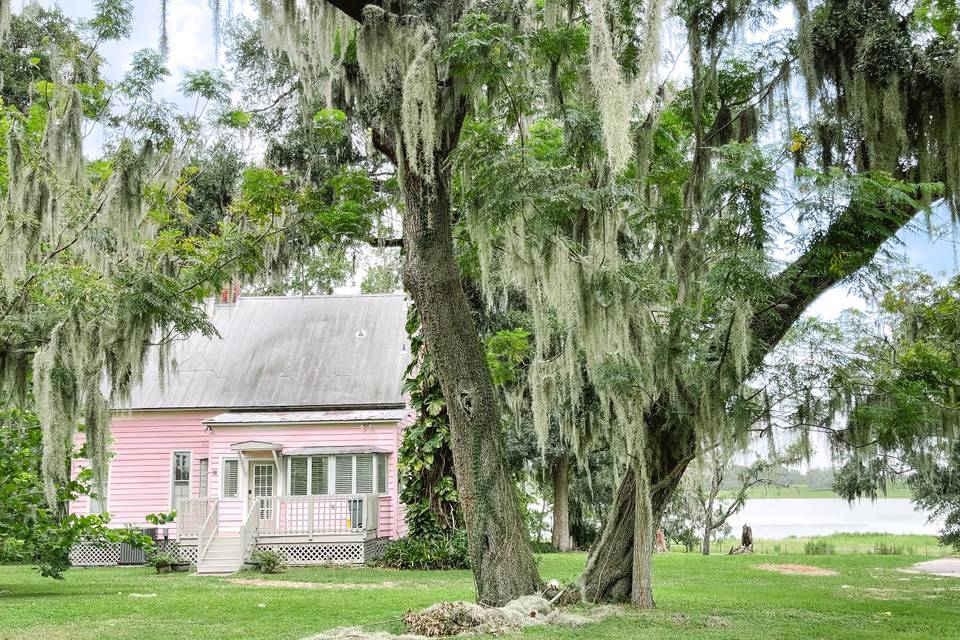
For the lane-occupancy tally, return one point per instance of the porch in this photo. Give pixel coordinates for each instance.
(304, 529)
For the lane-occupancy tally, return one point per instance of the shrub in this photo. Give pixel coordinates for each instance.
(541, 546)
(819, 548)
(269, 561)
(881, 549)
(162, 560)
(435, 552)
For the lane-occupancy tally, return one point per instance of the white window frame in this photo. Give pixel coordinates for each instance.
(173, 474)
(104, 503)
(222, 475)
(203, 481)
(378, 458)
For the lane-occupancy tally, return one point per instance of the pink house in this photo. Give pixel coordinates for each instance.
(279, 433)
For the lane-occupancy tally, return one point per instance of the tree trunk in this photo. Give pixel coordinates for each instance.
(707, 527)
(609, 574)
(642, 575)
(561, 504)
(500, 553)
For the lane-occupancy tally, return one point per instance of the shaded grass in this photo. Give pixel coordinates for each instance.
(698, 597)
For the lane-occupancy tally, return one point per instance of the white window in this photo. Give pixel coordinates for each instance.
(230, 478)
(100, 496)
(182, 461)
(351, 474)
(203, 471)
(381, 459)
(343, 466)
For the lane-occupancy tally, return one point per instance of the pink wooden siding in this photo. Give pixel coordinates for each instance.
(140, 479)
(140, 469)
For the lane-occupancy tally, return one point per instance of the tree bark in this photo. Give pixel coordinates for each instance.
(561, 504)
(609, 574)
(707, 531)
(500, 553)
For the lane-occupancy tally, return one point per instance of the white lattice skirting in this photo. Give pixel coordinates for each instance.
(86, 554)
(314, 553)
(294, 553)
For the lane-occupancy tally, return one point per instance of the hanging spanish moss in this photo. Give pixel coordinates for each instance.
(54, 219)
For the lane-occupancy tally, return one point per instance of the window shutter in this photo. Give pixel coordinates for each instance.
(298, 476)
(318, 477)
(382, 462)
(231, 478)
(365, 473)
(344, 472)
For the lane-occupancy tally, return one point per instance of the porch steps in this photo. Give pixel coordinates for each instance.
(224, 555)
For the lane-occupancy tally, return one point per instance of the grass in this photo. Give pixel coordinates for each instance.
(894, 490)
(848, 543)
(698, 597)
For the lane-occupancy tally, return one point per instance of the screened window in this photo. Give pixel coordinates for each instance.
(230, 478)
(181, 478)
(381, 473)
(319, 478)
(344, 471)
(352, 474)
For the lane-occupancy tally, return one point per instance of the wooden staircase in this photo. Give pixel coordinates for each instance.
(223, 555)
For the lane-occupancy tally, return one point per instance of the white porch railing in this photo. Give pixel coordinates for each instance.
(192, 513)
(208, 530)
(248, 532)
(309, 515)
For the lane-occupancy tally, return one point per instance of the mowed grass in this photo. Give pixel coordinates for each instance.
(712, 597)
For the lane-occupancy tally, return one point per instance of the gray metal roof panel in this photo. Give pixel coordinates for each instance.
(272, 352)
(306, 417)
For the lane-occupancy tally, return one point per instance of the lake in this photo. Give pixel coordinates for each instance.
(778, 518)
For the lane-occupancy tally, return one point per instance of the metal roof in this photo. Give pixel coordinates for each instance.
(307, 417)
(256, 445)
(290, 353)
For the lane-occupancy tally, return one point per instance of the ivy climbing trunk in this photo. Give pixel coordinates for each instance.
(561, 503)
(500, 553)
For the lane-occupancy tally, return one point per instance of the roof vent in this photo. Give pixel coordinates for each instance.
(361, 333)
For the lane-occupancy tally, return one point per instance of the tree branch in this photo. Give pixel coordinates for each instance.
(352, 8)
(848, 245)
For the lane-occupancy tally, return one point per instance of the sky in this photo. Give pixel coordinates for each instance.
(190, 33)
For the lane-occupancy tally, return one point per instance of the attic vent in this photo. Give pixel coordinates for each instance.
(361, 333)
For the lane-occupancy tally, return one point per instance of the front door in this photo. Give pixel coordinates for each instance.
(264, 480)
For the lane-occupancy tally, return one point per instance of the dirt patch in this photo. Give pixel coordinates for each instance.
(290, 584)
(797, 569)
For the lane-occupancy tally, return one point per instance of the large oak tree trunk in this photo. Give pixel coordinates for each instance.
(561, 504)
(500, 553)
(609, 575)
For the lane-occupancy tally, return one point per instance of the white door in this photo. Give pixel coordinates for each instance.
(263, 487)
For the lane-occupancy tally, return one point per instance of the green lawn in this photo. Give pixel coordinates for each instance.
(712, 597)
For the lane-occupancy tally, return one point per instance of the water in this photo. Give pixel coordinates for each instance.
(778, 518)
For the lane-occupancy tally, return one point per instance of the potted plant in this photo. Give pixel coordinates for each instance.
(163, 561)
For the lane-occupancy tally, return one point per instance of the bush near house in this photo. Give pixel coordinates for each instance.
(269, 561)
(434, 552)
